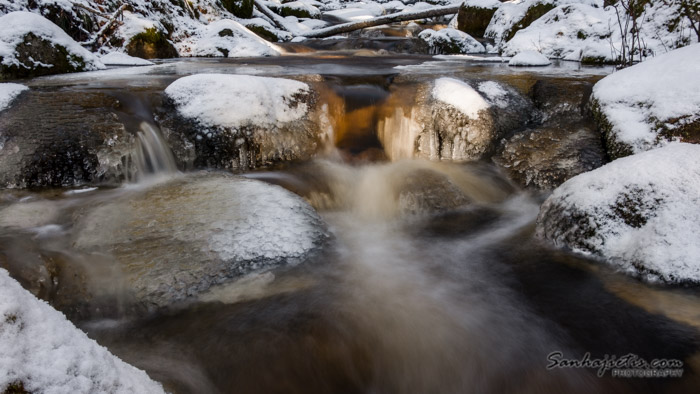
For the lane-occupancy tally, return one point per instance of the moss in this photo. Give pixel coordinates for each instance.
(239, 8)
(533, 13)
(15, 388)
(263, 32)
(299, 13)
(581, 35)
(613, 147)
(35, 49)
(595, 60)
(151, 44)
(474, 20)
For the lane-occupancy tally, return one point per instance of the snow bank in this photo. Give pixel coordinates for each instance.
(358, 11)
(209, 98)
(16, 25)
(639, 213)
(529, 58)
(494, 92)
(9, 92)
(657, 96)
(459, 95)
(450, 41)
(226, 38)
(122, 59)
(47, 354)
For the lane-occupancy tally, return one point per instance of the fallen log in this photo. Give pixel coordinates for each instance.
(380, 20)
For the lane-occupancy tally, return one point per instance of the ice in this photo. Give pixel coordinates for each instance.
(9, 92)
(122, 59)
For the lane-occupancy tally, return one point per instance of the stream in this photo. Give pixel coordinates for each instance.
(419, 288)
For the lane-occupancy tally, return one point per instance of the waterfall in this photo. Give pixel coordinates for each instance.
(153, 156)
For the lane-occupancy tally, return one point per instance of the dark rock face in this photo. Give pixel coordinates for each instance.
(63, 138)
(151, 44)
(34, 53)
(474, 20)
(547, 156)
(239, 8)
(533, 13)
(429, 191)
(562, 99)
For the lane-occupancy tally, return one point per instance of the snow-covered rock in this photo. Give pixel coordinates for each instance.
(358, 11)
(646, 105)
(452, 120)
(122, 59)
(42, 352)
(474, 16)
(639, 213)
(450, 41)
(529, 58)
(9, 92)
(31, 45)
(241, 121)
(226, 38)
(512, 16)
(299, 9)
(225, 227)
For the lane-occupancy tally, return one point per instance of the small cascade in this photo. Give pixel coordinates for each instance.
(153, 156)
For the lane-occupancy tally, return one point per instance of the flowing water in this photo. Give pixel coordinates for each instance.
(422, 288)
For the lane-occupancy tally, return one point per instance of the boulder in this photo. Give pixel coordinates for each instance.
(545, 157)
(30, 45)
(450, 41)
(225, 227)
(240, 121)
(529, 59)
(562, 99)
(474, 16)
(511, 17)
(226, 38)
(77, 139)
(638, 213)
(450, 119)
(649, 104)
(151, 44)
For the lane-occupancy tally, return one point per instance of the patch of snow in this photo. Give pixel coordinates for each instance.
(211, 99)
(122, 59)
(15, 25)
(494, 92)
(229, 35)
(134, 24)
(48, 354)
(303, 6)
(9, 92)
(494, 59)
(451, 37)
(359, 11)
(657, 90)
(529, 58)
(662, 187)
(459, 95)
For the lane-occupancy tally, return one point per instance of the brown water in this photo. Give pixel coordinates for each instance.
(434, 296)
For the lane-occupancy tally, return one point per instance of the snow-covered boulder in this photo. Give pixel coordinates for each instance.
(226, 38)
(474, 16)
(357, 11)
(42, 352)
(240, 121)
(452, 120)
(9, 92)
(512, 16)
(298, 9)
(31, 45)
(450, 41)
(225, 227)
(639, 213)
(41, 146)
(529, 59)
(122, 59)
(651, 103)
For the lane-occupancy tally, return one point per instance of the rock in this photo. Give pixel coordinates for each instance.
(474, 16)
(450, 41)
(225, 227)
(44, 352)
(122, 59)
(239, 8)
(545, 157)
(263, 29)
(562, 99)
(226, 38)
(511, 17)
(649, 104)
(638, 213)
(451, 120)
(240, 121)
(8, 93)
(151, 44)
(31, 45)
(529, 58)
(77, 139)
(299, 9)
(429, 191)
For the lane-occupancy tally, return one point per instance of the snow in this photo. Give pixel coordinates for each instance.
(483, 3)
(303, 6)
(15, 25)
(48, 354)
(450, 36)
(459, 95)
(359, 11)
(237, 100)
(657, 90)
(529, 58)
(122, 59)
(663, 185)
(9, 92)
(494, 92)
(239, 42)
(490, 59)
(133, 24)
